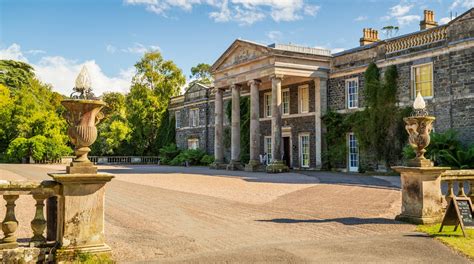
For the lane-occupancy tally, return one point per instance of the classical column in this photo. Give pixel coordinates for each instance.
(218, 129)
(254, 161)
(235, 130)
(277, 164)
(320, 88)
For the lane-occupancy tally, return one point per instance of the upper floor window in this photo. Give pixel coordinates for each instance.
(194, 117)
(422, 78)
(285, 98)
(177, 118)
(352, 92)
(193, 143)
(267, 104)
(303, 94)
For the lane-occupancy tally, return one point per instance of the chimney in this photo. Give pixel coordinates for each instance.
(428, 21)
(370, 36)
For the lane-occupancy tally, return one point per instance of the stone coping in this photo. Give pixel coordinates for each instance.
(458, 175)
(420, 169)
(82, 177)
(27, 187)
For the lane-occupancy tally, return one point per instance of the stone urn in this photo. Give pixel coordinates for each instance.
(82, 117)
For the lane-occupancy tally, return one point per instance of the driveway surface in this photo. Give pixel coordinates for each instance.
(195, 215)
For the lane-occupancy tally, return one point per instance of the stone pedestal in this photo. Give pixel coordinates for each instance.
(80, 215)
(421, 194)
(81, 167)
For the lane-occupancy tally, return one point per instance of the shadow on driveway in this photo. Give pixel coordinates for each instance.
(343, 220)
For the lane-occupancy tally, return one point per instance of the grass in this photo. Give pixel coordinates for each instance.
(455, 240)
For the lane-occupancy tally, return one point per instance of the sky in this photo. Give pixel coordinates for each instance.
(58, 37)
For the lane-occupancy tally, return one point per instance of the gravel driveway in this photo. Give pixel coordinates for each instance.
(195, 215)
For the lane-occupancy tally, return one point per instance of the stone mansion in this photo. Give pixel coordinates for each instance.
(291, 87)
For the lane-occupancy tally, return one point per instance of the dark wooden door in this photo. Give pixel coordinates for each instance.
(286, 151)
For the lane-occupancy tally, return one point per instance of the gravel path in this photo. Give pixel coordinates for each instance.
(196, 215)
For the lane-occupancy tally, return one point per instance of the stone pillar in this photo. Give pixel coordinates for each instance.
(80, 214)
(235, 130)
(277, 164)
(254, 161)
(421, 194)
(320, 90)
(218, 129)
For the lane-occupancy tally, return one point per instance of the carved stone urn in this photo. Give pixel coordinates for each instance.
(419, 127)
(82, 115)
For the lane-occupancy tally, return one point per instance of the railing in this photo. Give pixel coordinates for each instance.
(124, 159)
(459, 183)
(418, 39)
(40, 191)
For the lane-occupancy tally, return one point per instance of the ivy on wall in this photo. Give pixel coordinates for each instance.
(379, 128)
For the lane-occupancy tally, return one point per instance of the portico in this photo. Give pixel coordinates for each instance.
(248, 66)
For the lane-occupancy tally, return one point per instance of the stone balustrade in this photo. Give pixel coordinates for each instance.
(460, 183)
(124, 159)
(415, 40)
(40, 191)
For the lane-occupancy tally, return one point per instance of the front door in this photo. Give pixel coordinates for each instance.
(286, 151)
(353, 153)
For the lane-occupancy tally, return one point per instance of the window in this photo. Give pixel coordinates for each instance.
(193, 143)
(422, 77)
(303, 94)
(285, 97)
(304, 150)
(268, 148)
(267, 104)
(352, 92)
(194, 117)
(353, 152)
(177, 118)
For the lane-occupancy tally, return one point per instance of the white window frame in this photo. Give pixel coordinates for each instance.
(302, 103)
(177, 119)
(267, 106)
(351, 154)
(300, 150)
(267, 146)
(283, 91)
(413, 80)
(193, 143)
(352, 104)
(194, 117)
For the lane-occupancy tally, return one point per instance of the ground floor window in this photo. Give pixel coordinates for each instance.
(353, 152)
(193, 143)
(268, 148)
(304, 150)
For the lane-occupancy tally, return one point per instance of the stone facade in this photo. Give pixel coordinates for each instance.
(448, 48)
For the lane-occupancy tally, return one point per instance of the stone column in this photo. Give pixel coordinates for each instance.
(218, 129)
(320, 90)
(235, 130)
(254, 161)
(277, 164)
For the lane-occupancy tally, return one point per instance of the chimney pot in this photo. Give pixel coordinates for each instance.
(369, 35)
(428, 20)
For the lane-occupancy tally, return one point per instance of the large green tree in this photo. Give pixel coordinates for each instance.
(202, 73)
(156, 81)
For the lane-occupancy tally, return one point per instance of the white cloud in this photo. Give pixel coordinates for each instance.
(361, 18)
(462, 4)
(35, 52)
(400, 13)
(110, 48)
(274, 35)
(336, 50)
(244, 12)
(444, 20)
(61, 72)
(140, 48)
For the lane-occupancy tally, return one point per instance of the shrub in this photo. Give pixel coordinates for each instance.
(168, 153)
(207, 159)
(192, 157)
(17, 149)
(462, 159)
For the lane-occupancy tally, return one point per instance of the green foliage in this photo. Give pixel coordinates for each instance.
(37, 146)
(462, 159)
(206, 160)
(168, 153)
(335, 138)
(167, 130)
(17, 149)
(190, 157)
(202, 73)
(15, 74)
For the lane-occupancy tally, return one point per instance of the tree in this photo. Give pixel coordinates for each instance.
(390, 31)
(202, 73)
(156, 81)
(15, 74)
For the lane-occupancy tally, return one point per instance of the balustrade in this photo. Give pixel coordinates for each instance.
(124, 159)
(11, 191)
(461, 180)
(418, 39)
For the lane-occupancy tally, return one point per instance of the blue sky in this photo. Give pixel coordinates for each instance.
(109, 36)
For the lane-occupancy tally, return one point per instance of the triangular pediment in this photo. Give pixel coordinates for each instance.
(240, 51)
(196, 87)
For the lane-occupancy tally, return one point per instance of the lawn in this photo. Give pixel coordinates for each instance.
(453, 239)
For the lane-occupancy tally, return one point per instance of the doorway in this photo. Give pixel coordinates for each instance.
(287, 151)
